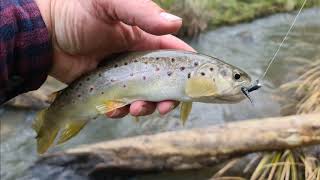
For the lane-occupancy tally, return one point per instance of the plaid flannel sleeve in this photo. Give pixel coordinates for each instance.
(25, 48)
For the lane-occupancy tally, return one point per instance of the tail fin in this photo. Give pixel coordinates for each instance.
(47, 131)
(46, 134)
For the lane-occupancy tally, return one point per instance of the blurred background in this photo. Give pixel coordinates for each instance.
(244, 33)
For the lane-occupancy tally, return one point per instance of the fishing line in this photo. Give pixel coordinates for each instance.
(281, 44)
(256, 85)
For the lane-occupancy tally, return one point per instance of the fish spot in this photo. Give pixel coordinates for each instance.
(189, 75)
(125, 63)
(172, 59)
(203, 74)
(182, 68)
(91, 89)
(88, 79)
(116, 65)
(102, 92)
(157, 58)
(169, 73)
(124, 86)
(100, 74)
(157, 69)
(211, 69)
(80, 84)
(79, 95)
(112, 80)
(131, 74)
(135, 60)
(196, 64)
(144, 78)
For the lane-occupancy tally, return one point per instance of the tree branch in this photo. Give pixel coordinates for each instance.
(190, 149)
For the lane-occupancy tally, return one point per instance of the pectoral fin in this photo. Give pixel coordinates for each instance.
(185, 111)
(109, 106)
(200, 86)
(71, 129)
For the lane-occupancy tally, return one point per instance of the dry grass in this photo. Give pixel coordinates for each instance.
(300, 96)
(278, 165)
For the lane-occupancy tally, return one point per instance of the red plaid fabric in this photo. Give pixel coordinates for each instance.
(25, 48)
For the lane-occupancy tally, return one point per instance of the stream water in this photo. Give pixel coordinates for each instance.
(248, 46)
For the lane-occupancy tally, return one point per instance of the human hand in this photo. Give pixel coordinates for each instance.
(86, 31)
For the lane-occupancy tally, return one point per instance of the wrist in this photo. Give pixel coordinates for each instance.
(45, 10)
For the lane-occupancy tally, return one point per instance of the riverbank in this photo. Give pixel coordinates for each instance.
(247, 46)
(200, 15)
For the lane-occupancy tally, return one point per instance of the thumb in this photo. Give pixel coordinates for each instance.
(145, 14)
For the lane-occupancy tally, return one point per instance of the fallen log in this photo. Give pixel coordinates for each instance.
(188, 149)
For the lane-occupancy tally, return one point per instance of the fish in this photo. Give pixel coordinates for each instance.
(157, 75)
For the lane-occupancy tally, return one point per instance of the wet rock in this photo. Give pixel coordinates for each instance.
(47, 172)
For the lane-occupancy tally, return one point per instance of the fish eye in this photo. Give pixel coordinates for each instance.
(237, 76)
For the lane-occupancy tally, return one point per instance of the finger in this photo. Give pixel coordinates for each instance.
(152, 42)
(166, 106)
(142, 13)
(118, 113)
(142, 108)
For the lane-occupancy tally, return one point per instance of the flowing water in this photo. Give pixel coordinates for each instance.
(248, 46)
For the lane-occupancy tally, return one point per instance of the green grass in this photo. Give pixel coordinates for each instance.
(199, 15)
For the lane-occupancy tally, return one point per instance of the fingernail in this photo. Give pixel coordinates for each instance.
(170, 17)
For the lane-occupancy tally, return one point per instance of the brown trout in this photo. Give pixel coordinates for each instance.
(151, 76)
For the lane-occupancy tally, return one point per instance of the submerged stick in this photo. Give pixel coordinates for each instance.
(190, 149)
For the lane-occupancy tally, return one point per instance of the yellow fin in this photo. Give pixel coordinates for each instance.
(110, 105)
(45, 140)
(38, 121)
(71, 129)
(200, 86)
(46, 132)
(185, 111)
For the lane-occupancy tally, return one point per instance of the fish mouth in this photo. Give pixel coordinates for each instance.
(246, 90)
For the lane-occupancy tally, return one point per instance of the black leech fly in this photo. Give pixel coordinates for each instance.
(246, 90)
